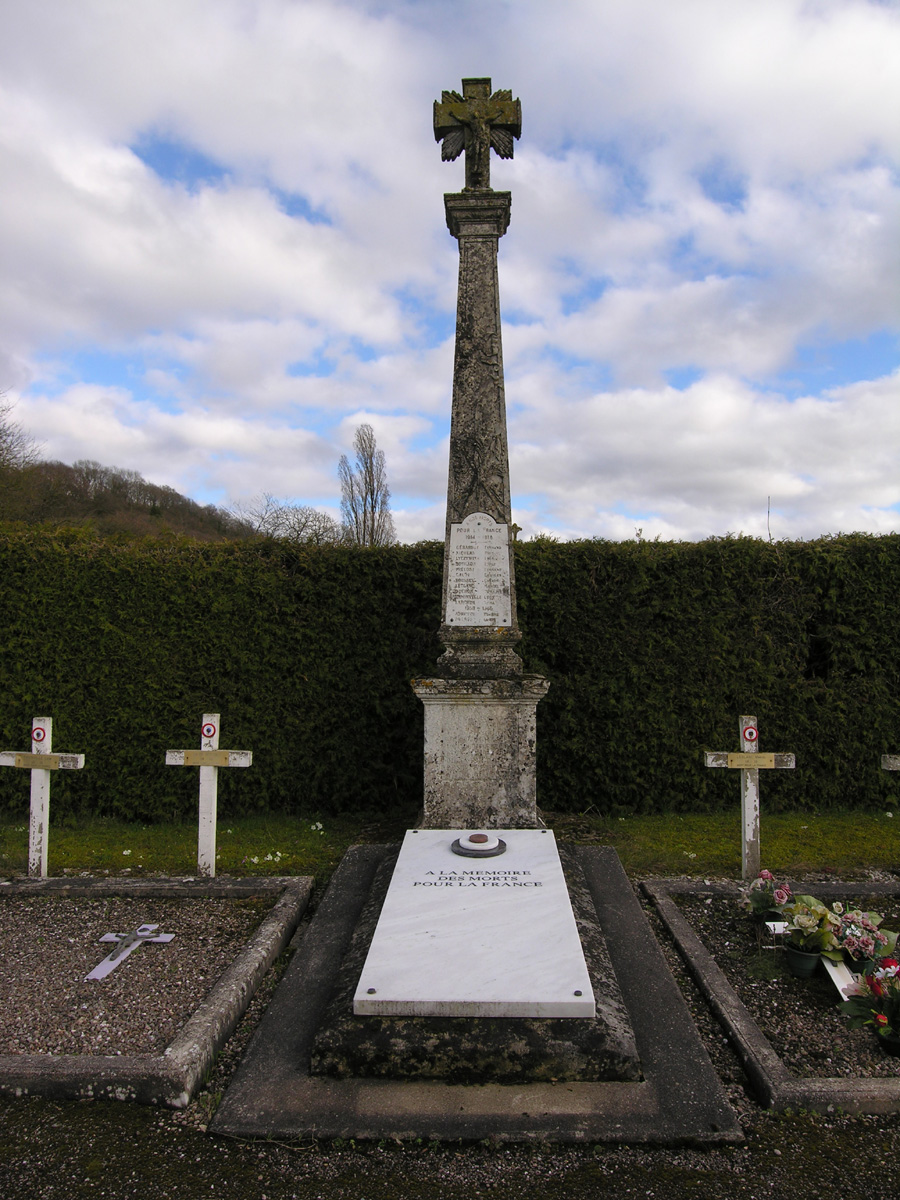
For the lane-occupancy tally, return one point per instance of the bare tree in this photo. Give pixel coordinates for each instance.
(18, 462)
(267, 515)
(365, 495)
(18, 449)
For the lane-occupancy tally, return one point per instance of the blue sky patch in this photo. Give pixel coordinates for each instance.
(295, 204)
(822, 364)
(177, 162)
(681, 378)
(722, 184)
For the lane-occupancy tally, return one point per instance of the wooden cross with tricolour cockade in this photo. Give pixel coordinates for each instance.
(208, 758)
(477, 122)
(40, 762)
(749, 761)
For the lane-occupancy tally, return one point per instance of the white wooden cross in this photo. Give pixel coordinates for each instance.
(208, 758)
(750, 762)
(126, 942)
(40, 762)
(890, 762)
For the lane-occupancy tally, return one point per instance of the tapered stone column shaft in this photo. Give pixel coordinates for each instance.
(479, 639)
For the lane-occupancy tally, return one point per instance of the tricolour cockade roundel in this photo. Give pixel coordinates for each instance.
(208, 730)
(751, 733)
(38, 735)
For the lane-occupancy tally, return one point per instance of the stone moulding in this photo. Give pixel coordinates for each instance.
(173, 1077)
(478, 214)
(775, 1086)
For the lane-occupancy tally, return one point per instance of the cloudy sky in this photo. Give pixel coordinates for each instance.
(223, 247)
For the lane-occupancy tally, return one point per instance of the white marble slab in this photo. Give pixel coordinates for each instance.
(476, 937)
(478, 591)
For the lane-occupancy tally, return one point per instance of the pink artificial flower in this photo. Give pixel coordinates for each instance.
(767, 875)
(781, 895)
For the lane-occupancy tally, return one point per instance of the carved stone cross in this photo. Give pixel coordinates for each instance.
(475, 122)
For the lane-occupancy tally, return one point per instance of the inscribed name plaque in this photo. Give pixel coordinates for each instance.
(476, 937)
(478, 573)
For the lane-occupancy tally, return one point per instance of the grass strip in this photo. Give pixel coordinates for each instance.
(843, 844)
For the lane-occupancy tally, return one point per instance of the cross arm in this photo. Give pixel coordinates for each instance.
(209, 758)
(754, 761)
(890, 762)
(41, 762)
(499, 112)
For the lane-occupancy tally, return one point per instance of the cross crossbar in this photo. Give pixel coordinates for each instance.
(41, 762)
(747, 760)
(209, 758)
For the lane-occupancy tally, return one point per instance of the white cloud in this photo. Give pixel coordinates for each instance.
(700, 187)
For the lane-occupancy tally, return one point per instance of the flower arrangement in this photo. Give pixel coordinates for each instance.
(860, 936)
(875, 1000)
(765, 896)
(811, 926)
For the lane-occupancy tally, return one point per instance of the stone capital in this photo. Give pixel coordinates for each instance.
(478, 214)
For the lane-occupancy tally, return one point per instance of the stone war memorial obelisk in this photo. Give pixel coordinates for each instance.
(480, 712)
(480, 980)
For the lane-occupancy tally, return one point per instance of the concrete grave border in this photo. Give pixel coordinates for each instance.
(775, 1086)
(680, 1101)
(173, 1077)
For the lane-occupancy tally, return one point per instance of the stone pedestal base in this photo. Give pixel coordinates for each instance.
(480, 752)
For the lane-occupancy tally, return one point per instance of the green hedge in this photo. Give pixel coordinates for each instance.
(654, 650)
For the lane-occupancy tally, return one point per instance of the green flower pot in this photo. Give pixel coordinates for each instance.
(859, 966)
(801, 963)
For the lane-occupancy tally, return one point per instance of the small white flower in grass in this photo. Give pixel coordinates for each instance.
(126, 851)
(887, 814)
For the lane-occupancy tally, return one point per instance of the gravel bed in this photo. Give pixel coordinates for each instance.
(800, 1017)
(48, 946)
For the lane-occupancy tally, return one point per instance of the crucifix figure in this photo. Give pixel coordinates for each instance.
(476, 122)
